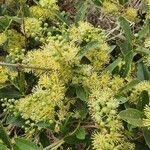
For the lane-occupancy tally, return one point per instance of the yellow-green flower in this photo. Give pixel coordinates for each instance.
(49, 4)
(105, 141)
(138, 89)
(15, 40)
(40, 12)
(32, 27)
(110, 7)
(110, 141)
(99, 57)
(131, 13)
(3, 75)
(86, 32)
(148, 2)
(3, 38)
(40, 106)
(42, 59)
(147, 42)
(146, 121)
(6, 74)
(148, 60)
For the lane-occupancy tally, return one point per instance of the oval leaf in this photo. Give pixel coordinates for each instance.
(146, 133)
(81, 93)
(80, 133)
(23, 144)
(132, 116)
(4, 137)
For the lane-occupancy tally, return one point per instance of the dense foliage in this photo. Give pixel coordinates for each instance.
(74, 74)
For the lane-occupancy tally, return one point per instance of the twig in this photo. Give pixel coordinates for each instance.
(23, 66)
(55, 145)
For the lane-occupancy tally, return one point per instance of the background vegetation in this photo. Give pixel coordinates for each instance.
(74, 74)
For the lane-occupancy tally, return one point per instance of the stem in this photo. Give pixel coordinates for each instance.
(20, 66)
(55, 145)
(10, 22)
(22, 19)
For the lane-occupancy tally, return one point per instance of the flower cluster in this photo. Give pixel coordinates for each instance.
(146, 121)
(148, 60)
(103, 108)
(49, 4)
(115, 141)
(57, 64)
(148, 2)
(99, 57)
(40, 58)
(40, 106)
(32, 27)
(3, 75)
(39, 12)
(131, 14)
(6, 74)
(15, 40)
(147, 42)
(8, 103)
(147, 48)
(86, 32)
(3, 38)
(74, 67)
(16, 55)
(138, 89)
(110, 7)
(46, 9)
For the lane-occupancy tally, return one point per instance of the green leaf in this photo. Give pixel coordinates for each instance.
(132, 116)
(3, 147)
(16, 19)
(81, 7)
(143, 72)
(80, 133)
(23, 144)
(144, 100)
(44, 140)
(97, 2)
(122, 99)
(122, 2)
(141, 146)
(81, 93)
(113, 65)
(4, 137)
(145, 29)
(112, 48)
(125, 48)
(62, 18)
(146, 133)
(126, 28)
(142, 50)
(89, 46)
(9, 92)
(129, 86)
(43, 125)
(127, 52)
(128, 62)
(4, 22)
(19, 82)
(36, 2)
(17, 121)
